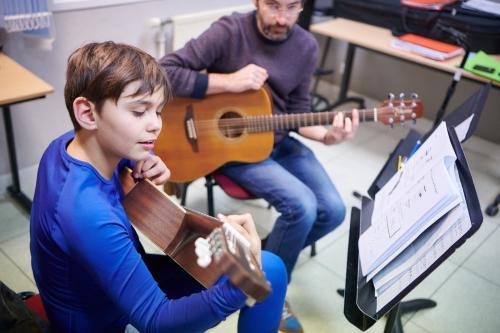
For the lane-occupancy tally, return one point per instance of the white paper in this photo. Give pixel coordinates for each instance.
(488, 6)
(424, 252)
(414, 198)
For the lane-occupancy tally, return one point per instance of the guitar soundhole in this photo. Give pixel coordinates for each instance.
(231, 124)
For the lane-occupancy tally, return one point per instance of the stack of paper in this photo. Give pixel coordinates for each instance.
(417, 216)
(427, 47)
(427, 4)
(487, 6)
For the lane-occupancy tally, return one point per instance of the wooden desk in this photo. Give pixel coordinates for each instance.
(17, 85)
(379, 40)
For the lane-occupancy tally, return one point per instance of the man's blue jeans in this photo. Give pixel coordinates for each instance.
(296, 184)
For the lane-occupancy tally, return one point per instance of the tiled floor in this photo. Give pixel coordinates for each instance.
(466, 287)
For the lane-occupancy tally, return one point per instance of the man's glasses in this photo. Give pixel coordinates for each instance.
(275, 9)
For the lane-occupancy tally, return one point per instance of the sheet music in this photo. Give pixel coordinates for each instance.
(423, 243)
(417, 196)
(454, 234)
(428, 248)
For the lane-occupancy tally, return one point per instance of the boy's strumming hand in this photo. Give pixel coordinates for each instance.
(152, 168)
(244, 225)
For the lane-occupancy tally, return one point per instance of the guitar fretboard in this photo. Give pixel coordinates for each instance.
(290, 121)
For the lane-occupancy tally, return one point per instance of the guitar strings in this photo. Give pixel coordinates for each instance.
(237, 126)
(285, 121)
(288, 120)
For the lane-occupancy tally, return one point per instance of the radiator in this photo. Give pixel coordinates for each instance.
(185, 27)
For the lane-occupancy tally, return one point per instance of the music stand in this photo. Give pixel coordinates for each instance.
(359, 299)
(360, 306)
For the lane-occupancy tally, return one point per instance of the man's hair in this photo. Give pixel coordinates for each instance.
(101, 71)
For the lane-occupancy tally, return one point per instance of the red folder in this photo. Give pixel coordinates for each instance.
(430, 43)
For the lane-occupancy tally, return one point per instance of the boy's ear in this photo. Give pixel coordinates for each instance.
(84, 111)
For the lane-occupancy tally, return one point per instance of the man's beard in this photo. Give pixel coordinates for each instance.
(268, 33)
(267, 29)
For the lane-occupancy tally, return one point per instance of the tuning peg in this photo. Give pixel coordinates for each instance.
(402, 99)
(204, 261)
(414, 118)
(200, 241)
(402, 120)
(391, 122)
(202, 250)
(391, 100)
(414, 98)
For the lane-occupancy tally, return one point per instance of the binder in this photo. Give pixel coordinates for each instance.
(427, 47)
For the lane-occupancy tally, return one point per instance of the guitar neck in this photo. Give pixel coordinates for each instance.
(292, 121)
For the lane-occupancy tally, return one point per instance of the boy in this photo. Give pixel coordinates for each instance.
(90, 269)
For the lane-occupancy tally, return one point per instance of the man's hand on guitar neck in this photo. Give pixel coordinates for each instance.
(342, 128)
(250, 77)
(245, 225)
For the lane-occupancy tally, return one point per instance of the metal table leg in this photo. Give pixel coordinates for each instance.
(15, 188)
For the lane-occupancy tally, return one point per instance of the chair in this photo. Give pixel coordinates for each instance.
(319, 103)
(34, 302)
(229, 187)
(21, 311)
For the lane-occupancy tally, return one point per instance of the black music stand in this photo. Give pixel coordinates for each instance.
(360, 306)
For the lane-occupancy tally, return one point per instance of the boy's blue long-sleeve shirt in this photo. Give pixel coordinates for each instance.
(87, 261)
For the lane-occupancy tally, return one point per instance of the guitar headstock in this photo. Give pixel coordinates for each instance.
(400, 110)
(231, 253)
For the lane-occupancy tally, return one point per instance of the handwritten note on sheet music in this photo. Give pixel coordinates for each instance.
(416, 197)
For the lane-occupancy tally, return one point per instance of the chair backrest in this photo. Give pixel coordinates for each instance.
(16, 315)
(315, 7)
(35, 304)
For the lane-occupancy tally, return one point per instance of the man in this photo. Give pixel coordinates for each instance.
(245, 51)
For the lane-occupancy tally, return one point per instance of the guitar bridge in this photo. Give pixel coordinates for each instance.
(190, 128)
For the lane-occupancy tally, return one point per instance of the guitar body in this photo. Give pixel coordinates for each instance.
(175, 229)
(194, 141)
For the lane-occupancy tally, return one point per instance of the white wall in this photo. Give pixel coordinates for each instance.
(37, 123)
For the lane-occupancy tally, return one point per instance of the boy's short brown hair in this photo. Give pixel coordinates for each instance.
(98, 71)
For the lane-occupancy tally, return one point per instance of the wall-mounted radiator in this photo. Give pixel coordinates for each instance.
(182, 28)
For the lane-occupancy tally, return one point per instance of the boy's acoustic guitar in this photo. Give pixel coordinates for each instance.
(203, 246)
(199, 136)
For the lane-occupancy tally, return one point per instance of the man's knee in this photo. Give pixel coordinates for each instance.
(302, 209)
(333, 215)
